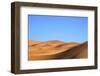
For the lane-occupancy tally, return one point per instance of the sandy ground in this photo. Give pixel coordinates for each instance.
(55, 49)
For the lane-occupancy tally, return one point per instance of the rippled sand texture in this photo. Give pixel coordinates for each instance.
(55, 49)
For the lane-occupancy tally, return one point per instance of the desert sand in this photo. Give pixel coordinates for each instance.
(56, 49)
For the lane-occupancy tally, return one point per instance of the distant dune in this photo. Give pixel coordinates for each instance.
(56, 49)
(31, 43)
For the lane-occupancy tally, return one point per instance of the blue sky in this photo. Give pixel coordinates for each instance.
(66, 28)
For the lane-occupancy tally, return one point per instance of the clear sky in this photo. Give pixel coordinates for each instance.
(66, 28)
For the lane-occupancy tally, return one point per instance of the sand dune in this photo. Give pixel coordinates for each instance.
(55, 49)
(80, 51)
